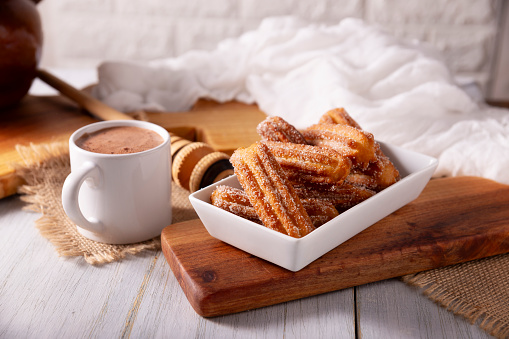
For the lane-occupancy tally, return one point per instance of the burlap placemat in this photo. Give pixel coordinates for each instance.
(44, 169)
(477, 290)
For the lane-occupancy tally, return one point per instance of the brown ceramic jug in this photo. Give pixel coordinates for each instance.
(20, 48)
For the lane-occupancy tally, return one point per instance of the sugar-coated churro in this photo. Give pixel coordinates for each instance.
(272, 196)
(338, 116)
(235, 201)
(357, 145)
(380, 173)
(310, 163)
(341, 196)
(277, 129)
(320, 211)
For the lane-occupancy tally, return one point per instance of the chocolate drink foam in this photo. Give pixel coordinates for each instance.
(119, 140)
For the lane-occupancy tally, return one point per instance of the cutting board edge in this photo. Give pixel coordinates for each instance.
(10, 183)
(205, 300)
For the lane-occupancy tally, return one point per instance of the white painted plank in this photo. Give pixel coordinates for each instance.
(46, 296)
(329, 315)
(166, 311)
(392, 309)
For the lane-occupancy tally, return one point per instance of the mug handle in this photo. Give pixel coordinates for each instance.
(70, 193)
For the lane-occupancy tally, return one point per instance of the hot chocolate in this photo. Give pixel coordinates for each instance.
(120, 140)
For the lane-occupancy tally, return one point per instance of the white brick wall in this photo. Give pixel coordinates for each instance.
(83, 33)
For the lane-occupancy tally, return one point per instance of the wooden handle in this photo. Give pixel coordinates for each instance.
(91, 104)
(196, 165)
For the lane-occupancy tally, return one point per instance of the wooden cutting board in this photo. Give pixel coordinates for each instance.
(42, 119)
(454, 220)
(34, 120)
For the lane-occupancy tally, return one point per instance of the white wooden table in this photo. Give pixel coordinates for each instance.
(43, 295)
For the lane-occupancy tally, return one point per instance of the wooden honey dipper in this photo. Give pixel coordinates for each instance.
(197, 165)
(194, 164)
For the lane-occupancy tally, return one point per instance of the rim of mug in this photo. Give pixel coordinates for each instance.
(96, 126)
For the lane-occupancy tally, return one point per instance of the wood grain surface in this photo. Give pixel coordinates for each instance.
(34, 120)
(43, 119)
(454, 220)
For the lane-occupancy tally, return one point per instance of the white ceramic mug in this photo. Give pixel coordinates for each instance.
(119, 198)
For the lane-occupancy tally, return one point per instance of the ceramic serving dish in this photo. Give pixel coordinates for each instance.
(295, 253)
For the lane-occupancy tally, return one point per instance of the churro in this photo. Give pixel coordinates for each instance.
(341, 196)
(310, 163)
(277, 129)
(273, 198)
(357, 145)
(380, 173)
(320, 211)
(235, 201)
(338, 116)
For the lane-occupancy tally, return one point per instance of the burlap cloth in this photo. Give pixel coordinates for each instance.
(477, 290)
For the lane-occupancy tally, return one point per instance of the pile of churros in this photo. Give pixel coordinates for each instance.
(295, 181)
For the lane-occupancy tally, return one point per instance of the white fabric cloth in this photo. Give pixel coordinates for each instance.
(401, 92)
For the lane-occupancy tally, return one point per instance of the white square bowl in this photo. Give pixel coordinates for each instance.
(296, 253)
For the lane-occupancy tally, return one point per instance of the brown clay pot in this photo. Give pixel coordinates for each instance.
(20, 48)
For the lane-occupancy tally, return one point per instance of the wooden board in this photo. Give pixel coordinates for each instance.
(47, 119)
(34, 120)
(454, 220)
(225, 126)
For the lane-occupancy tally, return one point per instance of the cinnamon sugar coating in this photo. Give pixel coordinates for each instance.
(310, 163)
(353, 143)
(341, 196)
(380, 173)
(278, 129)
(235, 201)
(320, 211)
(269, 191)
(338, 116)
